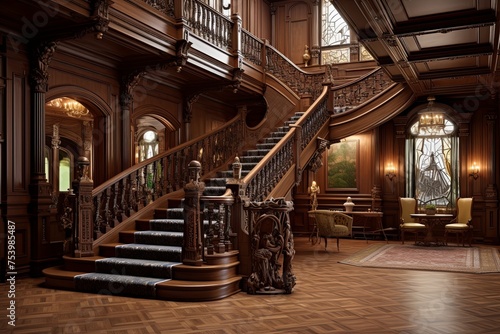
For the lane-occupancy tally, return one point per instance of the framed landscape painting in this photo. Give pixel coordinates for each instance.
(341, 166)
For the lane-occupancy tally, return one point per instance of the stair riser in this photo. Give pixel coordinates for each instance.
(134, 270)
(174, 256)
(209, 274)
(192, 294)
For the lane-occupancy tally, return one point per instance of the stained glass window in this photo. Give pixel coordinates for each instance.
(433, 165)
(334, 30)
(335, 56)
(335, 36)
(364, 54)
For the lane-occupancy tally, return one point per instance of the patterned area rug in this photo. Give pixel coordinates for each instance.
(445, 258)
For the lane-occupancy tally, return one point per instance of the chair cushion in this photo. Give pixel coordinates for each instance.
(412, 225)
(457, 226)
(340, 231)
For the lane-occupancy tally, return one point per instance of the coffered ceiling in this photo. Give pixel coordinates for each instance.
(445, 47)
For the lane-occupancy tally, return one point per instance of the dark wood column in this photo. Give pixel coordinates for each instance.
(42, 212)
(492, 232)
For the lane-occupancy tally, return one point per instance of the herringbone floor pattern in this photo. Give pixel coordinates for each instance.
(329, 298)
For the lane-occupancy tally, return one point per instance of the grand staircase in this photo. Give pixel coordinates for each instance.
(147, 261)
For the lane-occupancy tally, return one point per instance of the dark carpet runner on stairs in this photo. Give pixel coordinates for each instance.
(138, 267)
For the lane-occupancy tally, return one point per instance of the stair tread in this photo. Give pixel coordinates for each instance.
(60, 272)
(137, 261)
(121, 278)
(157, 247)
(169, 233)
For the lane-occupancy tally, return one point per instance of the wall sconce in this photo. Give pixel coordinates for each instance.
(474, 171)
(391, 171)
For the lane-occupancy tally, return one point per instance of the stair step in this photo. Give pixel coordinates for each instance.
(256, 152)
(205, 272)
(216, 181)
(108, 250)
(251, 158)
(150, 252)
(175, 213)
(80, 264)
(214, 191)
(135, 267)
(265, 145)
(167, 224)
(123, 285)
(159, 238)
(142, 224)
(179, 290)
(60, 278)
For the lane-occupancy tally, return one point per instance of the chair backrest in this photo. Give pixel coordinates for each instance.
(464, 210)
(326, 221)
(407, 206)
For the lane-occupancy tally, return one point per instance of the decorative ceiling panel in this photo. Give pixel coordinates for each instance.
(429, 40)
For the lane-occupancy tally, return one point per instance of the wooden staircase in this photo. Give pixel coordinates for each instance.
(216, 278)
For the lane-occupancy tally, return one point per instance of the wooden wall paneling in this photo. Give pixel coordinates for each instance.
(298, 33)
(280, 33)
(17, 143)
(208, 115)
(3, 105)
(19, 138)
(256, 17)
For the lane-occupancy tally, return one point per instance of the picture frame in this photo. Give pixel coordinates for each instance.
(342, 170)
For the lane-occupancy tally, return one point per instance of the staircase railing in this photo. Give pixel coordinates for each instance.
(128, 192)
(141, 184)
(286, 153)
(357, 92)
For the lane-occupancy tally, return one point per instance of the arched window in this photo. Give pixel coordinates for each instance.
(148, 145)
(432, 160)
(64, 169)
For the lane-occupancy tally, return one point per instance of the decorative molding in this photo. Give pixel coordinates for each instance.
(41, 55)
(316, 161)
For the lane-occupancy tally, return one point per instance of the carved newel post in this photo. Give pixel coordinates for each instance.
(192, 249)
(84, 220)
(272, 248)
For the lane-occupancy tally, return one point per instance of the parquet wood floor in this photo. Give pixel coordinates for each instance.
(329, 298)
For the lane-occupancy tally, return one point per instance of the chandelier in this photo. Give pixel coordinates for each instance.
(71, 107)
(431, 119)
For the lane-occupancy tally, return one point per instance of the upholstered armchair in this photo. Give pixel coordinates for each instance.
(332, 224)
(461, 225)
(407, 206)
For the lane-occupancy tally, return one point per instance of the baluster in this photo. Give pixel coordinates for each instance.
(126, 186)
(109, 211)
(133, 195)
(119, 202)
(170, 173)
(228, 230)
(112, 206)
(221, 246)
(210, 229)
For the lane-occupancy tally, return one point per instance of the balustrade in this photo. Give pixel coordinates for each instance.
(351, 95)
